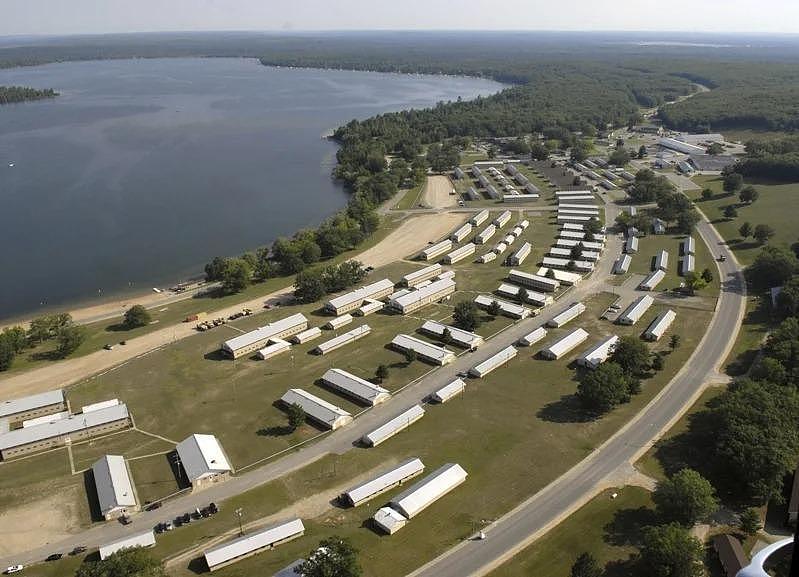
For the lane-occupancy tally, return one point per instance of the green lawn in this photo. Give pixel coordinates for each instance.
(520, 420)
(591, 529)
(411, 198)
(777, 206)
(651, 244)
(651, 463)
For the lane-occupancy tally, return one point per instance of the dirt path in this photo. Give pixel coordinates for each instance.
(437, 191)
(411, 236)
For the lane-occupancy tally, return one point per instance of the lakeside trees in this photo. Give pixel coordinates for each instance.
(312, 284)
(136, 316)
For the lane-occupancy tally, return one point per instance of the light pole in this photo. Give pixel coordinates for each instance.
(238, 514)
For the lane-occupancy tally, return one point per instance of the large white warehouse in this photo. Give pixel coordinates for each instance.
(427, 491)
(565, 345)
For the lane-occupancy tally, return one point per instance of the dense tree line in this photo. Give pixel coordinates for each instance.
(312, 284)
(772, 159)
(11, 94)
(58, 328)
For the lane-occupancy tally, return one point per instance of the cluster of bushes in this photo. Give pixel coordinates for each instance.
(58, 328)
(312, 284)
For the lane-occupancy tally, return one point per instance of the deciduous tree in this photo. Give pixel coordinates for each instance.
(137, 316)
(686, 497)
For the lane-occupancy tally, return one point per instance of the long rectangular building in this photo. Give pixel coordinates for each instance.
(58, 433)
(326, 414)
(652, 280)
(660, 325)
(115, 493)
(462, 232)
(457, 336)
(533, 281)
(253, 341)
(307, 335)
(687, 264)
(447, 392)
(564, 277)
(33, 406)
(493, 362)
(434, 251)
(424, 350)
(631, 245)
(533, 297)
(521, 255)
(503, 219)
(419, 276)
(599, 353)
(573, 311)
(486, 234)
(393, 426)
(146, 539)
(461, 253)
(427, 491)
(565, 345)
(578, 199)
(343, 339)
(573, 218)
(274, 348)
(622, 264)
(587, 245)
(508, 309)
(352, 300)
(480, 217)
(355, 387)
(252, 544)
(567, 264)
(385, 481)
(633, 313)
(662, 260)
(417, 299)
(532, 338)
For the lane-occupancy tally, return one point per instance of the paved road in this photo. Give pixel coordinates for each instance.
(337, 442)
(533, 518)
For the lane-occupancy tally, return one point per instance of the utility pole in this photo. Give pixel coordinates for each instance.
(238, 514)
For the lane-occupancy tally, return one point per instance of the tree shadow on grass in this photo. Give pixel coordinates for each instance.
(216, 355)
(276, 431)
(630, 567)
(117, 328)
(627, 526)
(198, 566)
(567, 409)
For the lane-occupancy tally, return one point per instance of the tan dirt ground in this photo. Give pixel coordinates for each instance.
(40, 522)
(437, 191)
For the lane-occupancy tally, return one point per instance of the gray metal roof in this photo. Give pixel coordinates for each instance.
(63, 427)
(146, 539)
(30, 403)
(253, 542)
(113, 483)
(201, 456)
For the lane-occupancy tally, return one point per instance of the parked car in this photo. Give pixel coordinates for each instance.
(213, 508)
(108, 347)
(125, 520)
(78, 550)
(153, 506)
(186, 518)
(14, 569)
(168, 526)
(54, 557)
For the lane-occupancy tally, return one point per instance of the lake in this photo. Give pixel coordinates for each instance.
(142, 170)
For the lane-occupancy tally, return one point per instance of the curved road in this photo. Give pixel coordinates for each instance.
(535, 516)
(530, 520)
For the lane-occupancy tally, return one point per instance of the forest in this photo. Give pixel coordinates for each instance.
(11, 94)
(774, 160)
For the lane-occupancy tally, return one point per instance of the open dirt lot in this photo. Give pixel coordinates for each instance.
(38, 523)
(411, 236)
(437, 191)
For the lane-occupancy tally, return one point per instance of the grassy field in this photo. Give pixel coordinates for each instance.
(411, 198)
(651, 464)
(110, 331)
(650, 245)
(777, 206)
(594, 528)
(521, 420)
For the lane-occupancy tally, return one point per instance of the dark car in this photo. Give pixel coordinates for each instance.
(77, 550)
(54, 557)
(125, 520)
(186, 518)
(153, 506)
(213, 508)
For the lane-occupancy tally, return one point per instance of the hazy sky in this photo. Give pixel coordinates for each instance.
(98, 16)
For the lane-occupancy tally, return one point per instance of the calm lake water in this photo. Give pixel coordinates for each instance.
(142, 170)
